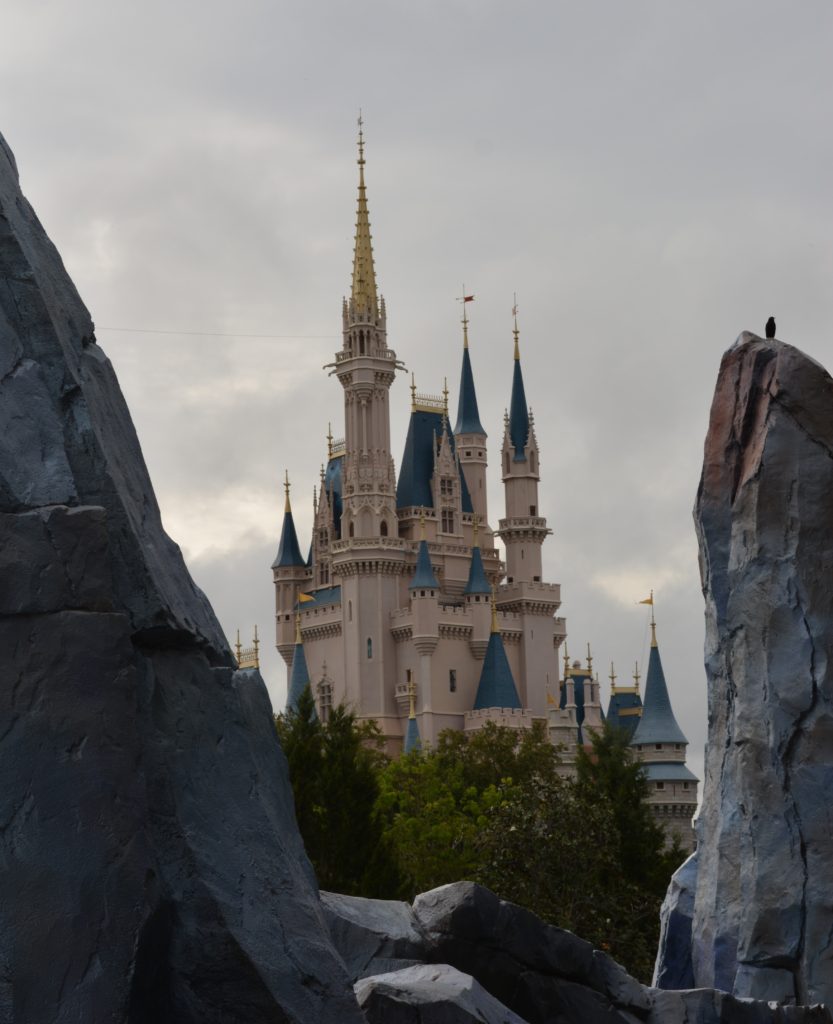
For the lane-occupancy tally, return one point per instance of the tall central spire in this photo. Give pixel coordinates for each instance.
(364, 275)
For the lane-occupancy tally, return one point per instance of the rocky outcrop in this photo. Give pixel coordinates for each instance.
(151, 867)
(763, 917)
(533, 972)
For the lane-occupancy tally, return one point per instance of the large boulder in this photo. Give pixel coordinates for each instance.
(763, 915)
(150, 865)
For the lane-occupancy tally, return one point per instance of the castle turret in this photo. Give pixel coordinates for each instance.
(523, 530)
(291, 574)
(660, 744)
(625, 706)
(496, 688)
(424, 591)
(299, 678)
(469, 433)
(412, 738)
(476, 594)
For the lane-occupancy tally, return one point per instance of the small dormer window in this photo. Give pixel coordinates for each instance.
(657, 746)
(660, 785)
(446, 487)
(447, 520)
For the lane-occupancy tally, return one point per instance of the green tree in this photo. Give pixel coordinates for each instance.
(334, 770)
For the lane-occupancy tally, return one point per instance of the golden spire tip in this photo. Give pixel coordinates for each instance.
(495, 627)
(287, 507)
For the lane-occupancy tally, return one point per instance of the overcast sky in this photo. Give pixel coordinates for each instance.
(650, 178)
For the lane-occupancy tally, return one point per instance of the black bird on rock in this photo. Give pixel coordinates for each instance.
(770, 327)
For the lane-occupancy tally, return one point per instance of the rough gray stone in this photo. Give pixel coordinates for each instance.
(436, 994)
(150, 865)
(673, 967)
(766, 552)
(710, 1006)
(367, 932)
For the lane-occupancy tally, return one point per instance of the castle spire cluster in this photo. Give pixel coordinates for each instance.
(405, 595)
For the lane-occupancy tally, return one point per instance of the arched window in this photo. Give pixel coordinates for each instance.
(361, 343)
(369, 647)
(532, 461)
(350, 530)
(349, 611)
(506, 463)
(383, 529)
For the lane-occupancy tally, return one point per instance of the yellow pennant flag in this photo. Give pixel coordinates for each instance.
(648, 600)
(305, 597)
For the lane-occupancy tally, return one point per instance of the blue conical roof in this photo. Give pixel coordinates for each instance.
(477, 582)
(657, 724)
(416, 470)
(412, 740)
(518, 413)
(424, 578)
(298, 676)
(289, 551)
(496, 688)
(468, 418)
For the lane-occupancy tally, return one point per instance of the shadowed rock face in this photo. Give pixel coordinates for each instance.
(763, 916)
(150, 865)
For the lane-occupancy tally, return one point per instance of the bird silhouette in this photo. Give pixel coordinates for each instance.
(770, 327)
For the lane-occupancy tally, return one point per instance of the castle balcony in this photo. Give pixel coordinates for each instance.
(513, 718)
(380, 353)
(366, 543)
(523, 523)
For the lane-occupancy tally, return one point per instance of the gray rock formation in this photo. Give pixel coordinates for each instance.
(151, 867)
(763, 914)
(673, 967)
(538, 973)
(436, 994)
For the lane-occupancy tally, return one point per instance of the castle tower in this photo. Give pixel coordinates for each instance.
(476, 594)
(369, 557)
(412, 737)
(469, 433)
(290, 574)
(659, 743)
(299, 678)
(523, 530)
(625, 706)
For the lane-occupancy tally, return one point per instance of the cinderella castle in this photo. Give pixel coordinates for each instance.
(404, 610)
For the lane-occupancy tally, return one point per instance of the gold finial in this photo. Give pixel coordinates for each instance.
(566, 661)
(287, 507)
(589, 660)
(515, 331)
(256, 646)
(445, 397)
(636, 675)
(612, 678)
(422, 522)
(329, 440)
(364, 274)
(298, 627)
(247, 657)
(495, 627)
(474, 524)
(412, 699)
(464, 299)
(653, 623)
(238, 649)
(413, 392)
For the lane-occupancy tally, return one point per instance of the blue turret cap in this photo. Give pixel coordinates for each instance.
(468, 418)
(657, 724)
(477, 582)
(289, 551)
(299, 673)
(424, 578)
(518, 410)
(496, 688)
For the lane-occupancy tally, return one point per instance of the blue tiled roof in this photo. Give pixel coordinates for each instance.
(658, 724)
(424, 578)
(298, 678)
(622, 702)
(518, 414)
(413, 489)
(496, 688)
(289, 552)
(332, 482)
(309, 555)
(668, 772)
(326, 595)
(412, 740)
(468, 418)
(477, 582)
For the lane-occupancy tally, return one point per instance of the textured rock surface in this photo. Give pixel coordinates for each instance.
(673, 966)
(150, 867)
(763, 913)
(538, 972)
(436, 994)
